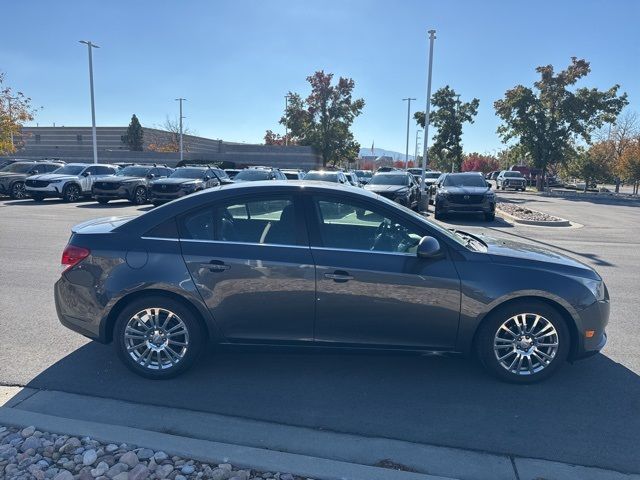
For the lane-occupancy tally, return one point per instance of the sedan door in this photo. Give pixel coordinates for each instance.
(372, 289)
(251, 262)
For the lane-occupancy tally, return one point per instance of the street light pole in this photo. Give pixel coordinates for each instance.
(457, 111)
(90, 47)
(425, 148)
(406, 154)
(415, 155)
(181, 117)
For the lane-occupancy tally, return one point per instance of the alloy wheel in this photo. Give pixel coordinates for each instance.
(526, 344)
(140, 196)
(156, 338)
(73, 193)
(18, 191)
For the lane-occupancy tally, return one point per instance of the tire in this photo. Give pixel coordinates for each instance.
(102, 200)
(184, 352)
(490, 217)
(439, 214)
(540, 368)
(18, 191)
(71, 193)
(139, 196)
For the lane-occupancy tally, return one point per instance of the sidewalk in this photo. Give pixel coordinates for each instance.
(270, 447)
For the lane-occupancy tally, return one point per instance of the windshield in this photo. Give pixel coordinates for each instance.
(292, 175)
(363, 173)
(512, 174)
(18, 167)
(252, 175)
(187, 173)
(133, 172)
(470, 180)
(70, 170)
(432, 175)
(322, 176)
(388, 180)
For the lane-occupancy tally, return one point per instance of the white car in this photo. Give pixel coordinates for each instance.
(511, 179)
(71, 182)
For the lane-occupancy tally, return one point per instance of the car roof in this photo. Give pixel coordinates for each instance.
(392, 172)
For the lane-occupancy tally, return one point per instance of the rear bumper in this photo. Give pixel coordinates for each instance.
(75, 313)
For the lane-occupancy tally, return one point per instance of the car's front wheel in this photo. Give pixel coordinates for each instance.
(139, 196)
(523, 342)
(18, 191)
(71, 193)
(157, 337)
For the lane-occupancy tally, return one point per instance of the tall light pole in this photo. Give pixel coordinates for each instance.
(90, 47)
(406, 154)
(181, 117)
(286, 127)
(415, 155)
(425, 149)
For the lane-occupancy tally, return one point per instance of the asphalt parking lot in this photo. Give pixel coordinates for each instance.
(588, 414)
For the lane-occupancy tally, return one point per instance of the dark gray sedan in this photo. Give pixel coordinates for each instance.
(310, 264)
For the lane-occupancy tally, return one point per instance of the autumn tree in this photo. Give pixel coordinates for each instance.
(629, 165)
(546, 120)
(323, 119)
(475, 162)
(594, 164)
(272, 138)
(134, 136)
(167, 139)
(15, 110)
(448, 116)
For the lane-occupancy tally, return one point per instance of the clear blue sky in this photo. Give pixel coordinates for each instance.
(235, 60)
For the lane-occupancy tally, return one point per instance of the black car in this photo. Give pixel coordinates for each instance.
(130, 183)
(14, 175)
(397, 185)
(184, 181)
(464, 193)
(292, 263)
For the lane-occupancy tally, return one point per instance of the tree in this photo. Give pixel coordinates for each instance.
(167, 139)
(323, 120)
(475, 162)
(134, 136)
(629, 165)
(448, 116)
(546, 120)
(593, 164)
(15, 110)
(271, 138)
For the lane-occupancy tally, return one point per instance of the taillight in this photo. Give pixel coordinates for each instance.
(72, 255)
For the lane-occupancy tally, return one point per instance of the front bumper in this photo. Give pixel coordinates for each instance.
(595, 317)
(444, 205)
(51, 190)
(120, 192)
(156, 197)
(514, 185)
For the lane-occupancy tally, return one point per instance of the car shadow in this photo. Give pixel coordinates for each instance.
(99, 206)
(588, 413)
(476, 221)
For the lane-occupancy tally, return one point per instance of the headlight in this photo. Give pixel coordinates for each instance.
(598, 288)
(188, 188)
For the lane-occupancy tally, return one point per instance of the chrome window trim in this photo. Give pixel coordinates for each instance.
(168, 239)
(252, 244)
(331, 249)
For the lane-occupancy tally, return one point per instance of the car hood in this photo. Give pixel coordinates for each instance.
(176, 181)
(52, 177)
(119, 179)
(508, 251)
(385, 188)
(466, 190)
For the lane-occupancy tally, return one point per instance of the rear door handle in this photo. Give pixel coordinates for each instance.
(216, 266)
(339, 276)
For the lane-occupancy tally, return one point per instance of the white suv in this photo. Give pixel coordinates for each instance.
(71, 182)
(511, 179)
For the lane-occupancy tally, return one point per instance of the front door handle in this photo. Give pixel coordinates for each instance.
(339, 276)
(216, 266)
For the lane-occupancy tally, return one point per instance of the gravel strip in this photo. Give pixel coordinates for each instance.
(524, 213)
(30, 454)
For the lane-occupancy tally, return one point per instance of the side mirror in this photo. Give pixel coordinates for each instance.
(428, 247)
(151, 175)
(207, 177)
(86, 174)
(34, 172)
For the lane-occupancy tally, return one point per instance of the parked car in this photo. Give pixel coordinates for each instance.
(364, 176)
(293, 174)
(492, 175)
(416, 172)
(259, 173)
(183, 181)
(71, 182)
(235, 265)
(398, 185)
(353, 179)
(13, 176)
(464, 193)
(337, 176)
(232, 172)
(385, 169)
(130, 183)
(511, 179)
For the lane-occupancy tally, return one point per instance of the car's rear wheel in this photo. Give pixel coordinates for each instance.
(102, 200)
(157, 337)
(71, 193)
(139, 196)
(523, 342)
(439, 214)
(18, 191)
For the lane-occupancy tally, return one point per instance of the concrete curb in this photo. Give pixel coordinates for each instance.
(561, 223)
(207, 451)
